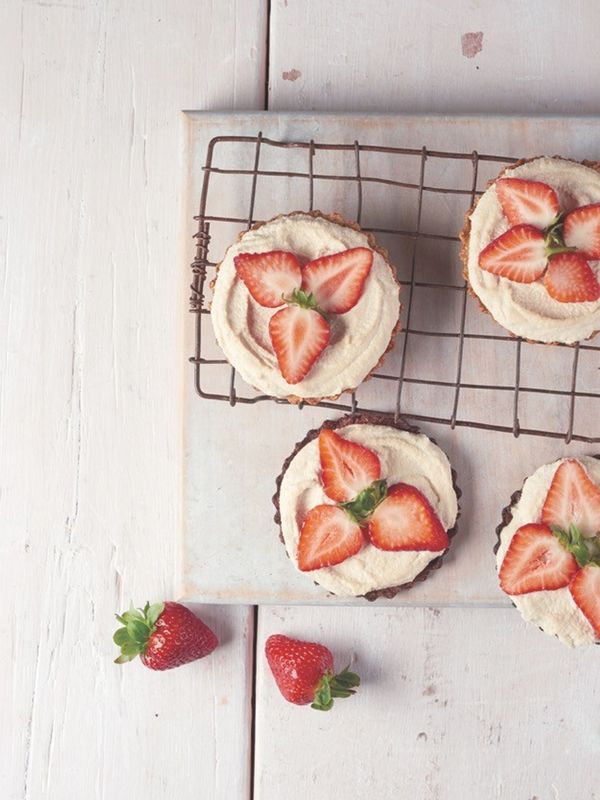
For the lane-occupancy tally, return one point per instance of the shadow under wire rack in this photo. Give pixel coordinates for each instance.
(451, 364)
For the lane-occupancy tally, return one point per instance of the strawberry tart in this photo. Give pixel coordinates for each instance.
(531, 250)
(366, 505)
(548, 551)
(305, 306)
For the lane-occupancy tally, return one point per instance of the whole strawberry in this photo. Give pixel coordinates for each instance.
(303, 672)
(163, 635)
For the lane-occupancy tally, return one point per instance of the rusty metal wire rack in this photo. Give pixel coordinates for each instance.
(511, 381)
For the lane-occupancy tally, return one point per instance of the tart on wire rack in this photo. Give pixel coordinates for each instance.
(305, 306)
(531, 250)
(366, 505)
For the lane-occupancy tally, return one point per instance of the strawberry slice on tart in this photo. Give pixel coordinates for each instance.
(572, 499)
(570, 279)
(405, 520)
(536, 561)
(581, 229)
(585, 591)
(269, 277)
(527, 202)
(337, 281)
(346, 467)
(328, 536)
(519, 255)
(299, 334)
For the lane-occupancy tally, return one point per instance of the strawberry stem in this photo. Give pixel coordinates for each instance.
(586, 551)
(334, 686)
(305, 300)
(364, 504)
(138, 626)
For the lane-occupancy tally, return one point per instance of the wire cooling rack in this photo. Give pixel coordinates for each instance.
(451, 364)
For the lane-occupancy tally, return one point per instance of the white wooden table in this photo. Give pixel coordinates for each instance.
(91, 370)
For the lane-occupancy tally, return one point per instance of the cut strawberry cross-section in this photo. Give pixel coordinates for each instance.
(337, 281)
(573, 499)
(328, 537)
(346, 467)
(527, 202)
(299, 336)
(581, 229)
(269, 277)
(519, 255)
(536, 561)
(570, 279)
(585, 590)
(405, 520)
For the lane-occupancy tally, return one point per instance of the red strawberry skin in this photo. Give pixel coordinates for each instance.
(299, 336)
(405, 520)
(269, 277)
(573, 498)
(337, 281)
(519, 255)
(585, 590)
(527, 202)
(180, 637)
(536, 561)
(328, 537)
(346, 467)
(581, 229)
(570, 279)
(297, 666)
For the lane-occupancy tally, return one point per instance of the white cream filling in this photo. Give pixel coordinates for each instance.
(527, 309)
(407, 457)
(358, 338)
(555, 611)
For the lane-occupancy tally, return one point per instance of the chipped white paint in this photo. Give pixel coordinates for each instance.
(538, 57)
(455, 704)
(90, 409)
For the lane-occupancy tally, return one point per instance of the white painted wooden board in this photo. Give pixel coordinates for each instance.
(455, 703)
(231, 551)
(90, 400)
(538, 57)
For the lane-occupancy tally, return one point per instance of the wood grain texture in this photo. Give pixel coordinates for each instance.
(411, 56)
(454, 703)
(90, 405)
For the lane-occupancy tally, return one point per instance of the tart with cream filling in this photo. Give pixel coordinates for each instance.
(305, 306)
(548, 551)
(366, 505)
(531, 250)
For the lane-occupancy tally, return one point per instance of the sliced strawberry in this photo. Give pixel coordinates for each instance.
(269, 277)
(581, 229)
(519, 255)
(570, 279)
(337, 281)
(328, 536)
(299, 336)
(585, 590)
(536, 561)
(346, 467)
(405, 520)
(527, 202)
(573, 499)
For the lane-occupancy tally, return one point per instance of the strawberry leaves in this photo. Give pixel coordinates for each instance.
(544, 243)
(138, 626)
(365, 503)
(586, 551)
(331, 686)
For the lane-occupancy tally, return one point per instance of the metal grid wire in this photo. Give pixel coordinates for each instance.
(396, 380)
